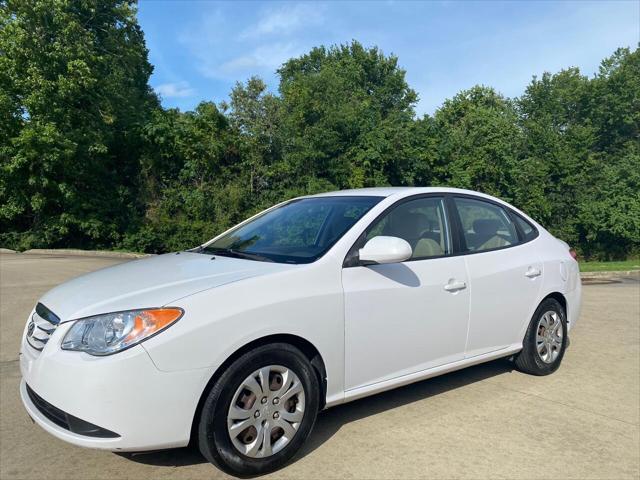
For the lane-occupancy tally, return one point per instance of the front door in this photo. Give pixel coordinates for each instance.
(411, 316)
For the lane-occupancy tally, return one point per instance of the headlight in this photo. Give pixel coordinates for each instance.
(113, 332)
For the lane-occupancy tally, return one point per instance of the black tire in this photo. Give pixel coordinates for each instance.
(213, 438)
(528, 360)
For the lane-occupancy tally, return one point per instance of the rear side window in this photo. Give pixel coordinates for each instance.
(526, 228)
(485, 226)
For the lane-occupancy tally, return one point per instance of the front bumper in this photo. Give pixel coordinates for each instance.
(123, 393)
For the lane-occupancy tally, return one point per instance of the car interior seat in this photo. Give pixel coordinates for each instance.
(415, 229)
(431, 243)
(486, 235)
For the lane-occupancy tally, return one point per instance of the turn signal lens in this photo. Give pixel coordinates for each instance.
(114, 332)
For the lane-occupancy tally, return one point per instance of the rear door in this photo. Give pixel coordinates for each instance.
(505, 274)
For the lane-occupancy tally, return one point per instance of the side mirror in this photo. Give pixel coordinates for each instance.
(385, 250)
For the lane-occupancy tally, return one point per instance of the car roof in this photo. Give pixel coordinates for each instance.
(399, 191)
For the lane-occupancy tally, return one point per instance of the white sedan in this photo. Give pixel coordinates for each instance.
(237, 344)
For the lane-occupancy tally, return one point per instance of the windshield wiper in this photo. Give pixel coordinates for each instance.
(229, 252)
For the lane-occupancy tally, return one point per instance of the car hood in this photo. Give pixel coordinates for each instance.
(149, 282)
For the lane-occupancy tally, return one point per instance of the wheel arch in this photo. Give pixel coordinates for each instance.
(560, 299)
(306, 347)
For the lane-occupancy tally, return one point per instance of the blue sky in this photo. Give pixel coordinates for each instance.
(201, 48)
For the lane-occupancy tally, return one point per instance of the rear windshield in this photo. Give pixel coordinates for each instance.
(300, 231)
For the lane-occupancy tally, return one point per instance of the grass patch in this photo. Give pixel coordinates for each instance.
(610, 266)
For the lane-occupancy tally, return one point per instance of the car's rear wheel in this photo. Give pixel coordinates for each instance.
(260, 411)
(545, 341)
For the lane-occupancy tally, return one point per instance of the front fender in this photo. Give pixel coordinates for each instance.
(305, 302)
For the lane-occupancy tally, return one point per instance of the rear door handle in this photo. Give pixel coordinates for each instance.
(533, 272)
(454, 286)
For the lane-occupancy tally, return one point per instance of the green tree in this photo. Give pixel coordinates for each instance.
(192, 180)
(74, 96)
(426, 168)
(584, 134)
(346, 117)
(255, 115)
(554, 116)
(615, 101)
(479, 142)
(609, 217)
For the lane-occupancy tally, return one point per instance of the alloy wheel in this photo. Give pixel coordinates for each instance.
(549, 336)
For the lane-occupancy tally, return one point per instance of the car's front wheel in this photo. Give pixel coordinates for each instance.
(260, 410)
(545, 341)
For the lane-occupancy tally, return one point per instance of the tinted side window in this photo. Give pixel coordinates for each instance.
(527, 229)
(485, 226)
(421, 222)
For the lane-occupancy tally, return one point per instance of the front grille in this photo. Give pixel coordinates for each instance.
(66, 420)
(42, 324)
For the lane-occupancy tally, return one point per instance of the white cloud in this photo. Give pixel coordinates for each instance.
(175, 90)
(285, 21)
(265, 57)
(223, 55)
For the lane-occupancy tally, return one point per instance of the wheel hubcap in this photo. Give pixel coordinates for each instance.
(549, 337)
(262, 428)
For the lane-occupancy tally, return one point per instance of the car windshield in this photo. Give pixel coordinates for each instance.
(300, 231)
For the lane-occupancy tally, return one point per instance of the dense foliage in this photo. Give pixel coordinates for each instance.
(90, 158)
(74, 97)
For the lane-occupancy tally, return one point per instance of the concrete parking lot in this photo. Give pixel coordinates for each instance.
(487, 421)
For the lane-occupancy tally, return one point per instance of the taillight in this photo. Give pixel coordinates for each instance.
(573, 254)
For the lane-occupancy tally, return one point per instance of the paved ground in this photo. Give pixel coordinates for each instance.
(484, 422)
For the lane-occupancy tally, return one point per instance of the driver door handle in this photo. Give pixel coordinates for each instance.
(533, 272)
(454, 286)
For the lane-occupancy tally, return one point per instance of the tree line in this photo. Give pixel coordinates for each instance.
(90, 158)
